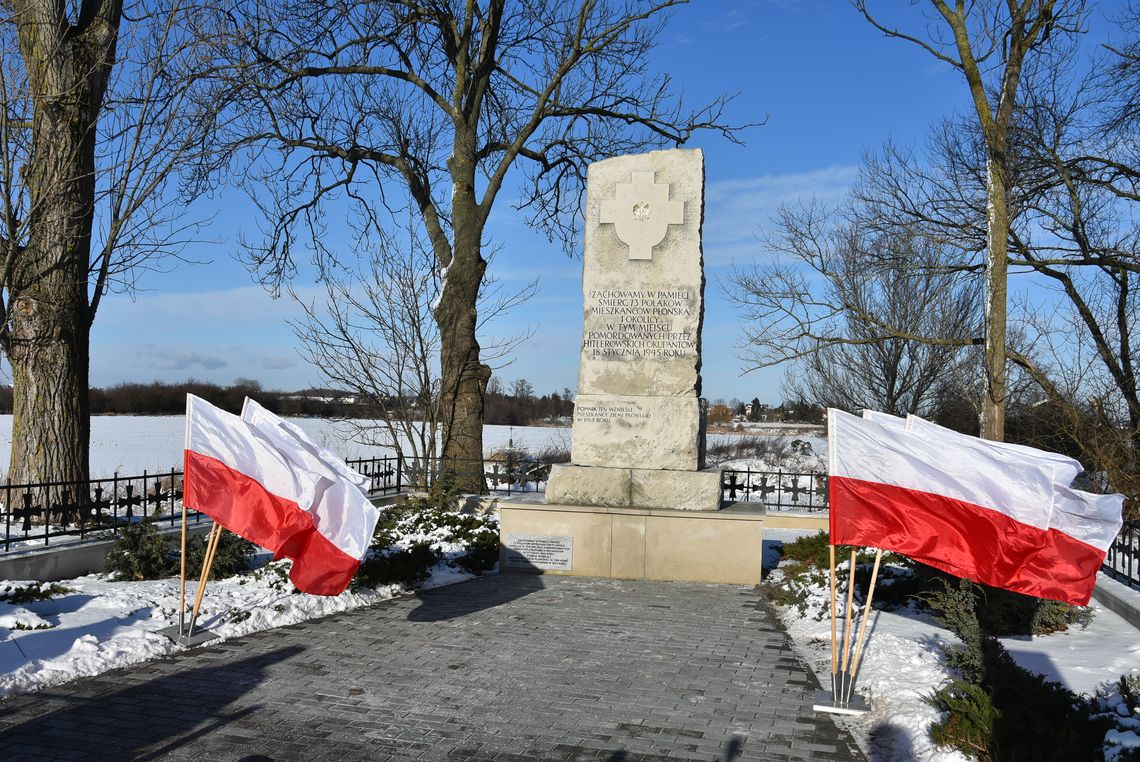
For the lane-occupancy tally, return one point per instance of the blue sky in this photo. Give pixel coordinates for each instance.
(829, 85)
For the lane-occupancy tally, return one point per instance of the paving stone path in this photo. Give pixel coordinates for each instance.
(513, 667)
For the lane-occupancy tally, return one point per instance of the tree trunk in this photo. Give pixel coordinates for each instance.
(994, 365)
(49, 317)
(463, 377)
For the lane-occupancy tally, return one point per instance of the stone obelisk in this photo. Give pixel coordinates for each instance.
(638, 437)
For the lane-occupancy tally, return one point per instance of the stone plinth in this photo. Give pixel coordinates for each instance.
(632, 543)
(634, 488)
(639, 375)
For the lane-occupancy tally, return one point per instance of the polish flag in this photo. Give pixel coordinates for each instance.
(253, 481)
(1063, 468)
(984, 514)
(326, 555)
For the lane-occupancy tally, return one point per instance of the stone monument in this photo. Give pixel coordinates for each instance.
(638, 424)
(636, 500)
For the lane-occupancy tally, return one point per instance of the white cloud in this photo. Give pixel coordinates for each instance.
(180, 360)
(735, 210)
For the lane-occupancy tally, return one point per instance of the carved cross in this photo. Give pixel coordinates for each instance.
(641, 213)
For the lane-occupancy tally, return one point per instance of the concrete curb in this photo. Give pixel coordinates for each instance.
(1118, 598)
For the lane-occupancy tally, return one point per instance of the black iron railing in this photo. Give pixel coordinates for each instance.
(777, 490)
(507, 476)
(1123, 559)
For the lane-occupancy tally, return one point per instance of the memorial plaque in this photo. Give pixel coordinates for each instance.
(534, 551)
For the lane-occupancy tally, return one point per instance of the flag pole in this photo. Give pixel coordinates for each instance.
(862, 638)
(182, 580)
(834, 655)
(843, 675)
(207, 562)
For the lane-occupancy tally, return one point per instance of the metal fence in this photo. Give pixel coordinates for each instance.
(1123, 559)
(509, 476)
(776, 490)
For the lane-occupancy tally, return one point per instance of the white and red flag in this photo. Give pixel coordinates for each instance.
(989, 514)
(272, 486)
(326, 556)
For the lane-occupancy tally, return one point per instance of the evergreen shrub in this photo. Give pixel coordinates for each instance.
(998, 710)
(142, 552)
(410, 537)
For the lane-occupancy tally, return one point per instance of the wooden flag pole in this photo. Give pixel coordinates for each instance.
(207, 562)
(182, 580)
(844, 675)
(834, 650)
(862, 638)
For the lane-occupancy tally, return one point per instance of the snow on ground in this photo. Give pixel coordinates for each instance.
(128, 444)
(902, 663)
(98, 625)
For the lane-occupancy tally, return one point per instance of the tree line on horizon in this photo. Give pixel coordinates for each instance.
(516, 405)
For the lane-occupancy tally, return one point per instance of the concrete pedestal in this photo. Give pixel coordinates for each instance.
(723, 546)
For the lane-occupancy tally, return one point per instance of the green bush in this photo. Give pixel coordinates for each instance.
(804, 567)
(233, 556)
(969, 722)
(427, 521)
(142, 552)
(409, 566)
(998, 710)
(32, 592)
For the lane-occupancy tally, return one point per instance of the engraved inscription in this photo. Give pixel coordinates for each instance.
(536, 551)
(640, 324)
(605, 412)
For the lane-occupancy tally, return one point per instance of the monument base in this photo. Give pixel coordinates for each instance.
(631, 543)
(634, 488)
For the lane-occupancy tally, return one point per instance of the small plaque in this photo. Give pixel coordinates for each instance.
(537, 551)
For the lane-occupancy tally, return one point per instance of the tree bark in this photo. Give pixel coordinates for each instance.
(49, 318)
(463, 377)
(996, 299)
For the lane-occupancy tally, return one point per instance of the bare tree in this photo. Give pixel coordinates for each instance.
(989, 42)
(874, 320)
(372, 333)
(94, 123)
(432, 104)
(522, 389)
(1072, 177)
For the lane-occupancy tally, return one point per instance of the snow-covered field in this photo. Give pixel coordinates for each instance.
(902, 663)
(127, 444)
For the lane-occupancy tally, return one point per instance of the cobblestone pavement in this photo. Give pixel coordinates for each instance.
(514, 667)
